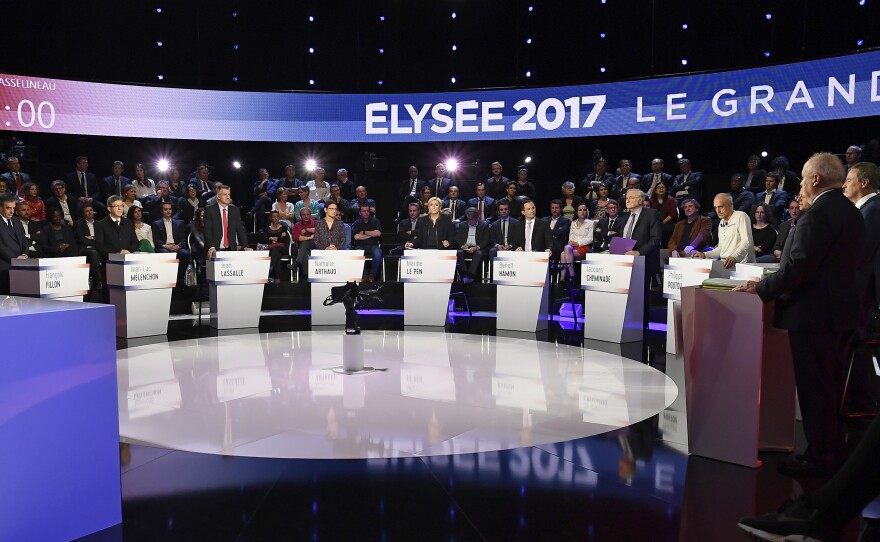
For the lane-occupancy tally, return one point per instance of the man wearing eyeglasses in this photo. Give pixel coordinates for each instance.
(735, 243)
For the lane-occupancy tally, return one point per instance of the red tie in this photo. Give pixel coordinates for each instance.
(225, 230)
(18, 184)
(480, 209)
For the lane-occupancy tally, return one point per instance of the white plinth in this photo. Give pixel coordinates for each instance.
(64, 279)
(237, 282)
(522, 290)
(614, 297)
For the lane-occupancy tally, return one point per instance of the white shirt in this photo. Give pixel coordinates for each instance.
(318, 193)
(144, 191)
(91, 225)
(530, 228)
(768, 196)
(169, 231)
(581, 234)
(735, 239)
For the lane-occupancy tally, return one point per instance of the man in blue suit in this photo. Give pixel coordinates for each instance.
(113, 183)
(170, 236)
(15, 177)
(485, 205)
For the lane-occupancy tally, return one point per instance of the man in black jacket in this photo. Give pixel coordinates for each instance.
(114, 234)
(12, 243)
(224, 233)
(472, 239)
(532, 234)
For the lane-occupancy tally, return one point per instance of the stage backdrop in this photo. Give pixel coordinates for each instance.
(828, 89)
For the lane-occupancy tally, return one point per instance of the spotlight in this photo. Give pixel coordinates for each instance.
(381, 51)
(602, 69)
(768, 16)
(767, 54)
(455, 47)
(161, 77)
(382, 18)
(684, 26)
(860, 43)
(158, 10)
(236, 164)
(311, 49)
(764, 154)
(528, 74)
(311, 164)
(162, 165)
(235, 46)
(861, 2)
(311, 18)
(158, 44)
(679, 156)
(235, 78)
(684, 62)
(454, 15)
(311, 81)
(528, 160)
(531, 8)
(235, 14)
(451, 165)
(602, 35)
(380, 82)
(453, 79)
(529, 41)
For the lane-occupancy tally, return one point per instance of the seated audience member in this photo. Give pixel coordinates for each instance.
(169, 235)
(153, 204)
(513, 202)
(496, 185)
(366, 232)
(598, 205)
(440, 183)
(362, 200)
(763, 230)
(71, 208)
(33, 234)
(435, 230)
(129, 198)
(195, 236)
(83, 185)
(286, 210)
(532, 235)
(176, 186)
(622, 182)
(852, 156)
(691, 233)
(453, 206)
(277, 238)
(58, 238)
(688, 184)
(570, 202)
(668, 209)
(788, 180)
(485, 205)
(346, 187)
(289, 183)
(142, 230)
(600, 177)
(607, 227)
(424, 197)
(776, 200)
(32, 196)
(410, 188)
(304, 234)
(305, 200)
(143, 186)
(204, 186)
(115, 233)
(501, 235)
(559, 226)
(14, 178)
(85, 237)
(343, 206)
(794, 208)
(472, 239)
(12, 241)
(213, 199)
(580, 240)
(264, 196)
(754, 176)
(649, 181)
(734, 235)
(743, 200)
(319, 189)
(330, 231)
(4, 186)
(190, 204)
(406, 228)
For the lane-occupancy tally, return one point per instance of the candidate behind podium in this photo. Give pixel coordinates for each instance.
(224, 229)
(815, 291)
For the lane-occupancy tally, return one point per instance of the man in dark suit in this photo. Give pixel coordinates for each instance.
(406, 228)
(453, 206)
(224, 233)
(484, 204)
(559, 227)
(794, 209)
(12, 245)
(754, 176)
(621, 183)
(169, 235)
(472, 239)
(33, 234)
(645, 226)
(71, 209)
(524, 187)
(114, 234)
(410, 188)
(204, 185)
(501, 234)
(15, 177)
(440, 183)
(86, 237)
(83, 185)
(496, 185)
(113, 183)
(514, 203)
(777, 200)
(599, 177)
(655, 177)
(532, 235)
(814, 289)
(688, 184)
(608, 227)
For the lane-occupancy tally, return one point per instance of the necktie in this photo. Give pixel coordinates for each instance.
(480, 209)
(630, 225)
(437, 191)
(528, 235)
(82, 177)
(225, 232)
(504, 230)
(118, 187)
(412, 187)
(18, 183)
(453, 209)
(611, 225)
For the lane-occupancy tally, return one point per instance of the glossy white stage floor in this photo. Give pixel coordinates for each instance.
(274, 395)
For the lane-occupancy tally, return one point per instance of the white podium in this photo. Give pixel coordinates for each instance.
(614, 297)
(63, 279)
(682, 272)
(236, 280)
(140, 288)
(329, 268)
(522, 290)
(427, 277)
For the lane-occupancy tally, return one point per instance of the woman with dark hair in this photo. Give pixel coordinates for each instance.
(32, 195)
(788, 180)
(435, 231)
(143, 230)
(277, 237)
(570, 202)
(580, 239)
(190, 204)
(175, 185)
(763, 230)
(424, 198)
(195, 238)
(143, 186)
(330, 231)
(59, 239)
(668, 208)
(597, 207)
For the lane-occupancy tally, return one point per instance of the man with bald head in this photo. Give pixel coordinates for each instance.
(815, 290)
(735, 244)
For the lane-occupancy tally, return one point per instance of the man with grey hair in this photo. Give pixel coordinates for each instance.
(644, 225)
(319, 189)
(853, 156)
(815, 289)
(735, 244)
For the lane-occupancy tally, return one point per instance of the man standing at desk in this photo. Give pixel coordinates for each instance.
(224, 229)
(645, 227)
(815, 291)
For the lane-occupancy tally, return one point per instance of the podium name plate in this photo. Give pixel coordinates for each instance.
(49, 277)
(241, 267)
(336, 266)
(606, 273)
(142, 271)
(520, 268)
(752, 271)
(683, 272)
(437, 266)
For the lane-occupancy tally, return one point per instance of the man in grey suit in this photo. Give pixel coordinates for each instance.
(220, 233)
(645, 226)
